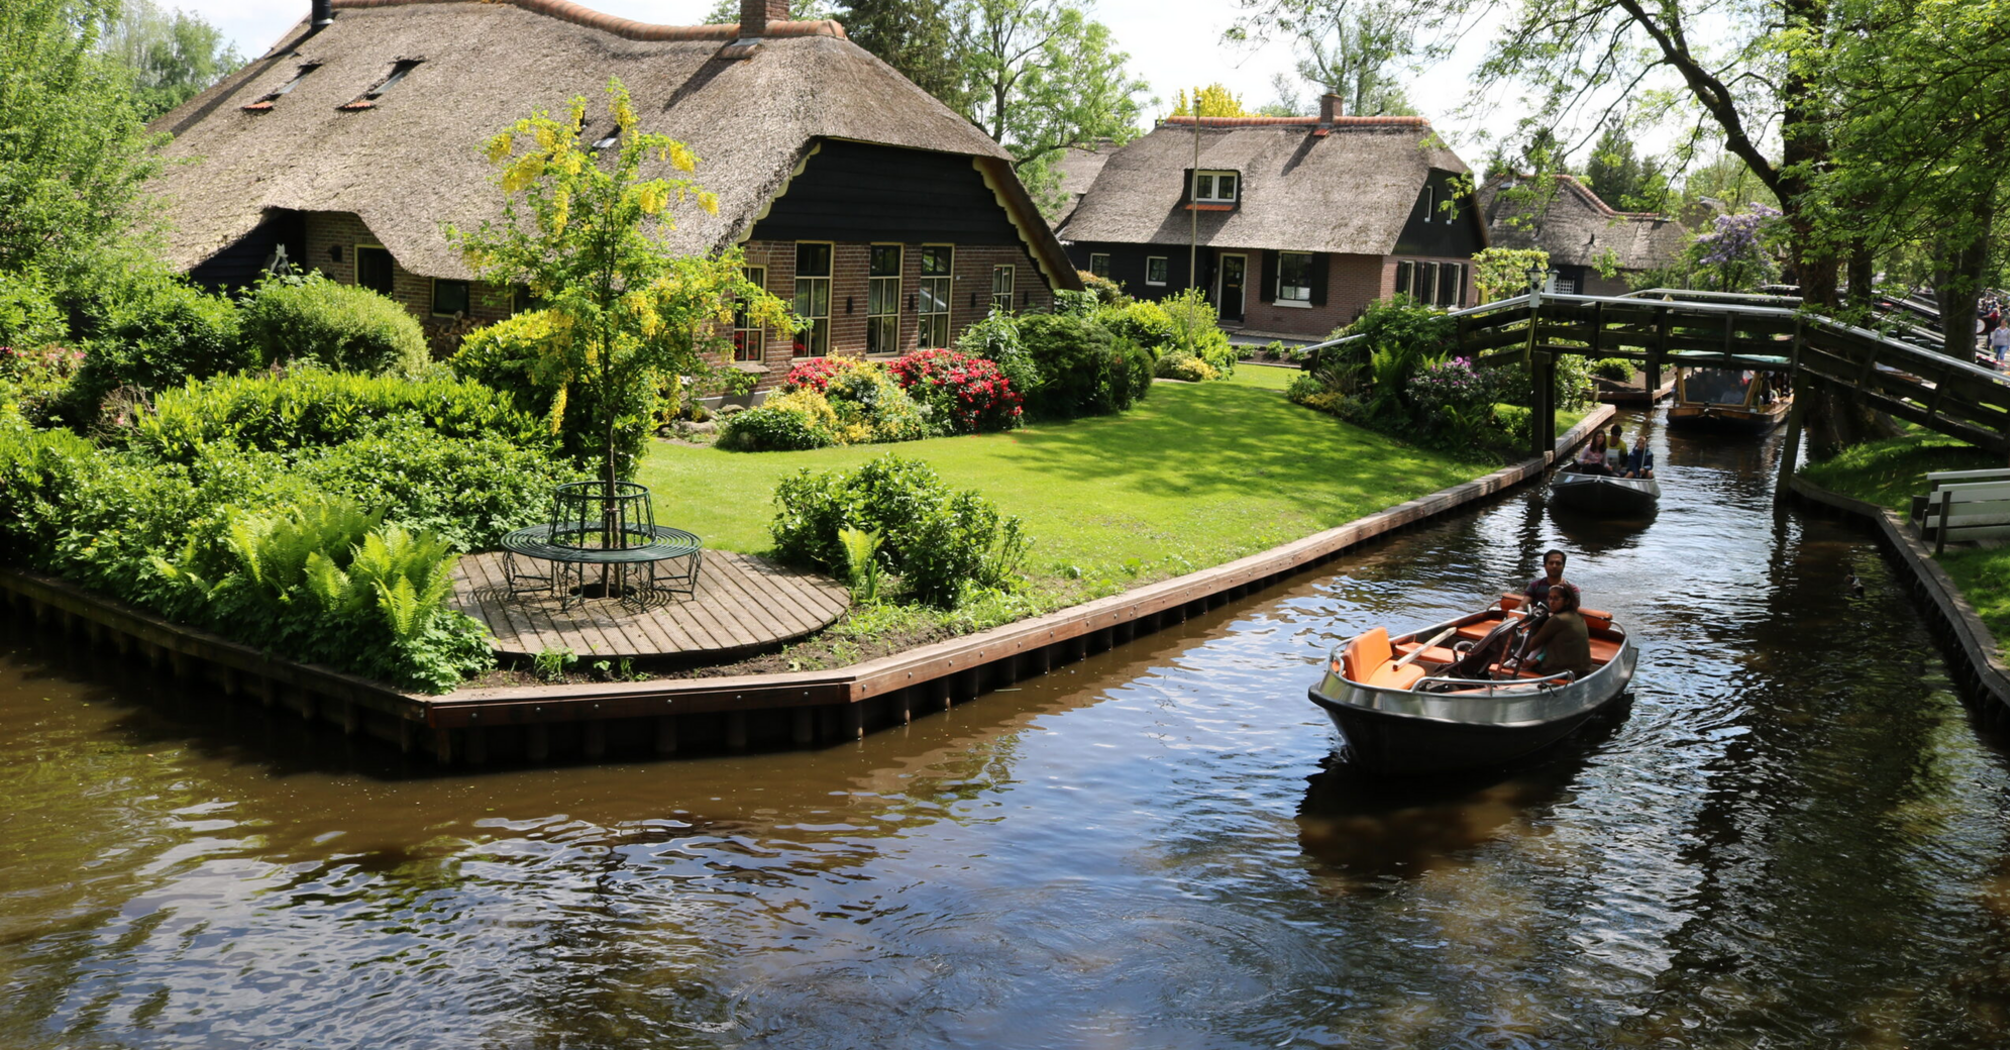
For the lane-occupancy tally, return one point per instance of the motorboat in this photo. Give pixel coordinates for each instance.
(1453, 696)
(1605, 495)
(1730, 400)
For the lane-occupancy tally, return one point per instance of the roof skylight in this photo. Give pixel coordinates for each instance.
(368, 99)
(265, 103)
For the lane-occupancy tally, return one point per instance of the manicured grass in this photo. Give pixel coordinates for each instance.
(1889, 473)
(1196, 475)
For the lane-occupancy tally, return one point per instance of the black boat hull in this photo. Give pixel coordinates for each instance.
(1606, 496)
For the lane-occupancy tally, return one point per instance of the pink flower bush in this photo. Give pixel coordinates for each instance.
(817, 372)
(965, 394)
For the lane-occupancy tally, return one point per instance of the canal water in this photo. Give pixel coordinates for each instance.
(1795, 836)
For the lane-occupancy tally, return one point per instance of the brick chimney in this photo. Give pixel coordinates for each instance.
(322, 13)
(1329, 107)
(756, 14)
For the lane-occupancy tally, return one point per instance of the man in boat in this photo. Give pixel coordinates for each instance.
(1552, 576)
(1640, 462)
(1563, 642)
(1615, 447)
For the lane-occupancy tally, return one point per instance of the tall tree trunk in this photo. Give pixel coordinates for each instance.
(1957, 279)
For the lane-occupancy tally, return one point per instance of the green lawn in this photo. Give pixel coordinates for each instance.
(1196, 475)
(1889, 473)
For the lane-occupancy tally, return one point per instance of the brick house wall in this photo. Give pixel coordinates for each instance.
(330, 234)
(972, 269)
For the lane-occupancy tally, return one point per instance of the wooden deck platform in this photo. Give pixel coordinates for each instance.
(743, 604)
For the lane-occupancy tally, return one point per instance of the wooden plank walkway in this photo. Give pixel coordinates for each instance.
(743, 604)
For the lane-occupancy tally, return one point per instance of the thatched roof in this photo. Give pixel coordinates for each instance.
(1079, 166)
(1348, 186)
(413, 160)
(1575, 227)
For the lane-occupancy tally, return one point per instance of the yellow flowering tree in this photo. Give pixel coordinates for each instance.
(1215, 100)
(584, 231)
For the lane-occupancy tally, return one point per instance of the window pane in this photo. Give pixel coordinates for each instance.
(813, 260)
(935, 260)
(450, 297)
(1204, 187)
(1427, 282)
(373, 269)
(1155, 270)
(1448, 284)
(1226, 186)
(1099, 265)
(885, 260)
(1001, 280)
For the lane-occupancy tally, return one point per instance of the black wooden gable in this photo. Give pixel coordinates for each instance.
(1434, 231)
(851, 191)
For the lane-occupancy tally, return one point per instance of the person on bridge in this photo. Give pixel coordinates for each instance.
(1999, 344)
(1552, 576)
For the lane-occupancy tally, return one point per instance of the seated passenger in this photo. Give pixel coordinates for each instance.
(1593, 461)
(1615, 448)
(1552, 576)
(1640, 462)
(1563, 642)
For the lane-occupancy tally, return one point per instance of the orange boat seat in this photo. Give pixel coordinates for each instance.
(1603, 650)
(1436, 654)
(1369, 661)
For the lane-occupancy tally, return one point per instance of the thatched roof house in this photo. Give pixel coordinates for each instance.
(1580, 232)
(1301, 221)
(362, 131)
(1078, 167)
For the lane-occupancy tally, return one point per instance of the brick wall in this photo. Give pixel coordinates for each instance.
(329, 231)
(971, 268)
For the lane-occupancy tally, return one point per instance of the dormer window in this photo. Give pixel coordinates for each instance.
(398, 70)
(265, 103)
(1216, 187)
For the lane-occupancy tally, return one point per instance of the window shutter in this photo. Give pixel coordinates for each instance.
(1186, 187)
(1318, 278)
(1269, 293)
(1403, 282)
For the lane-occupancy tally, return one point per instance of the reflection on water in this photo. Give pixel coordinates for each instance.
(1794, 838)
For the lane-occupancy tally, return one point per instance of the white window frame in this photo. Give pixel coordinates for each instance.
(1301, 300)
(1104, 259)
(933, 331)
(1212, 193)
(817, 340)
(750, 343)
(1165, 270)
(882, 301)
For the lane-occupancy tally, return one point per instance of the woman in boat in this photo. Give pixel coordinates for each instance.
(1593, 459)
(1563, 642)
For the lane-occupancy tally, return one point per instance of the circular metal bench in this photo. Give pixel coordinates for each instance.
(666, 560)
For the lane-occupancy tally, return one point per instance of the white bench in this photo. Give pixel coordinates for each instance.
(1964, 505)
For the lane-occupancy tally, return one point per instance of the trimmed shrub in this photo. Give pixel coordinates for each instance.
(872, 407)
(1184, 366)
(963, 394)
(509, 355)
(1142, 321)
(1617, 369)
(342, 326)
(468, 491)
(312, 408)
(153, 330)
(1197, 331)
(1107, 292)
(996, 339)
(784, 423)
(938, 541)
(1084, 369)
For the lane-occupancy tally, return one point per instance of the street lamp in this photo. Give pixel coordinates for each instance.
(1537, 273)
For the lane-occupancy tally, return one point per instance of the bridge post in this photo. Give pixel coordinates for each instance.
(1790, 450)
(1542, 414)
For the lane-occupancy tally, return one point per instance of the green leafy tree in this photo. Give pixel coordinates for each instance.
(1044, 77)
(919, 38)
(584, 232)
(1502, 273)
(1626, 182)
(1350, 48)
(172, 55)
(73, 151)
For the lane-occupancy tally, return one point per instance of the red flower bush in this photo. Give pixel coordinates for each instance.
(816, 373)
(965, 394)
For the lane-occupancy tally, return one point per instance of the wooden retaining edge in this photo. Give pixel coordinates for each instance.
(423, 721)
(235, 667)
(963, 655)
(1977, 645)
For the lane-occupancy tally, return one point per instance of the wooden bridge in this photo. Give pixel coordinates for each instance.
(1664, 328)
